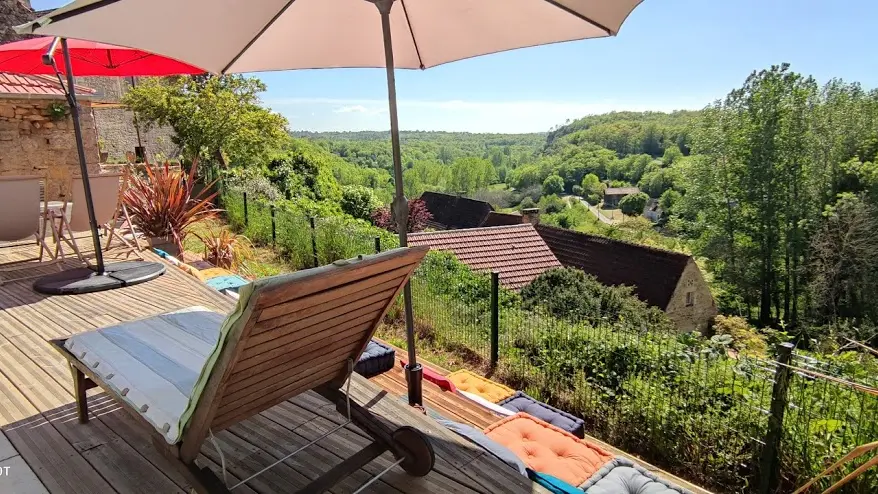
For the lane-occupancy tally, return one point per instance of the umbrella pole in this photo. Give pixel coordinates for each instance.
(413, 370)
(77, 130)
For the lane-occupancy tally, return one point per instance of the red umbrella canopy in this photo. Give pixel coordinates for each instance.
(89, 58)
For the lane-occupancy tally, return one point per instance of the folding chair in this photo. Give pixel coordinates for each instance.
(22, 220)
(288, 334)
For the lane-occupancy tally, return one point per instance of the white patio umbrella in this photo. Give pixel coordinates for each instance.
(234, 36)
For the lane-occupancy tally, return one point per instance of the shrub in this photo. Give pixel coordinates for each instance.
(577, 190)
(552, 204)
(527, 203)
(633, 204)
(225, 249)
(358, 201)
(419, 215)
(745, 339)
(570, 294)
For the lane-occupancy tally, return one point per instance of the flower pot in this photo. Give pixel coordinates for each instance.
(165, 243)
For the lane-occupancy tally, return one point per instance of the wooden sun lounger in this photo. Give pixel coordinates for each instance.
(293, 333)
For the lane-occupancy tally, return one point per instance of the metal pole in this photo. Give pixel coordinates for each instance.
(413, 370)
(314, 241)
(246, 217)
(83, 167)
(495, 319)
(273, 227)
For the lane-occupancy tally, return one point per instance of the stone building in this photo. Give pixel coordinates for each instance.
(36, 132)
(115, 126)
(668, 280)
(118, 131)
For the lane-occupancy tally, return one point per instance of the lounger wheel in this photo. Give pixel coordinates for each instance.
(417, 450)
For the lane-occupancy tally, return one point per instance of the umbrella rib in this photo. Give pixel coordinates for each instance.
(408, 21)
(75, 12)
(261, 31)
(582, 17)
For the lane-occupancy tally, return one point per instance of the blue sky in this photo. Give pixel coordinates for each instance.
(669, 54)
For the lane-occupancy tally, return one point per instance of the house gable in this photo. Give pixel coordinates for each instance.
(692, 305)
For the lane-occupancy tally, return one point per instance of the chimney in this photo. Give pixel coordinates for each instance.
(531, 215)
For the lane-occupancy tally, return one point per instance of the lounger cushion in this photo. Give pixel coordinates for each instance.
(473, 383)
(503, 412)
(376, 359)
(521, 402)
(479, 438)
(622, 476)
(548, 449)
(153, 364)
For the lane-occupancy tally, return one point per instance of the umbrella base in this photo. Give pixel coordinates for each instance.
(86, 280)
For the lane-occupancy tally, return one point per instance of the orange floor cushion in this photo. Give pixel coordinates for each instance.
(548, 449)
(470, 382)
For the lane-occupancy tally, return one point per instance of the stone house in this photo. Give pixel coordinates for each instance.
(115, 126)
(613, 195)
(35, 140)
(668, 280)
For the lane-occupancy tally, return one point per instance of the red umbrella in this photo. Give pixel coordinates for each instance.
(89, 58)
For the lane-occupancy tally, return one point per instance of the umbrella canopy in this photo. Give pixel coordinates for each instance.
(231, 36)
(247, 36)
(89, 58)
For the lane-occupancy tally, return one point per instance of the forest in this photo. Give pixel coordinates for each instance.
(774, 187)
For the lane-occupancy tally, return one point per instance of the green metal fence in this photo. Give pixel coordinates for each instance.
(729, 422)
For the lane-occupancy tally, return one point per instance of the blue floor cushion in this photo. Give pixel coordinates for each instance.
(376, 359)
(479, 438)
(521, 402)
(622, 476)
(552, 484)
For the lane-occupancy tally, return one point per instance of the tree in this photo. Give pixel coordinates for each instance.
(553, 184)
(471, 174)
(668, 200)
(592, 189)
(217, 118)
(358, 201)
(844, 262)
(419, 215)
(656, 182)
(633, 204)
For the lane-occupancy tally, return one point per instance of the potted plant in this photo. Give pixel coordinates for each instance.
(164, 206)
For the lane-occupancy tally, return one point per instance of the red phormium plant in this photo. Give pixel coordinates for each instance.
(163, 205)
(419, 215)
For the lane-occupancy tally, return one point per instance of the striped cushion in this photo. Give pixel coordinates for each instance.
(154, 364)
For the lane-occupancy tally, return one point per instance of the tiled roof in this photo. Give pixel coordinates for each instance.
(451, 211)
(500, 219)
(621, 191)
(653, 273)
(35, 85)
(516, 252)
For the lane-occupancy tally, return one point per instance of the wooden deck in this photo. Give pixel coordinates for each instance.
(47, 450)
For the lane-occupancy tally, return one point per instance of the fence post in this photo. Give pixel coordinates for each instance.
(495, 319)
(314, 241)
(769, 463)
(246, 218)
(273, 227)
(377, 245)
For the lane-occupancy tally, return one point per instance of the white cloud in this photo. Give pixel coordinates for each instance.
(351, 109)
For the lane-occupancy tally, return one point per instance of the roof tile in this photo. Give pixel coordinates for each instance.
(516, 252)
(35, 84)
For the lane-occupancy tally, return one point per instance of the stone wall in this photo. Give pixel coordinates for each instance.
(116, 130)
(32, 143)
(697, 316)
